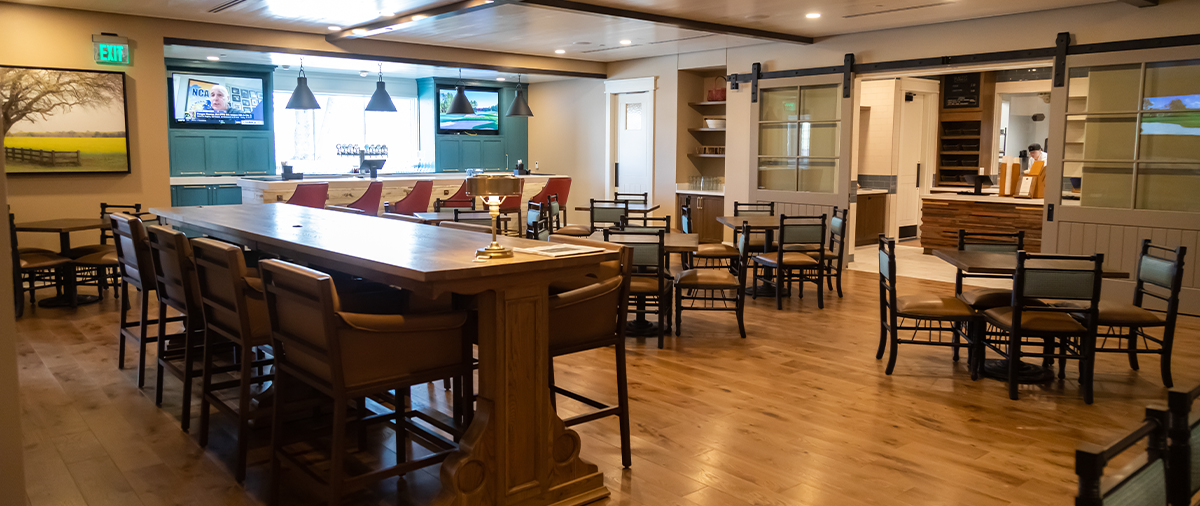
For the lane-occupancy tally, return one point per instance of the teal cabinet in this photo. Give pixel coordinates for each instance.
(458, 152)
(449, 157)
(221, 153)
(205, 195)
(492, 154)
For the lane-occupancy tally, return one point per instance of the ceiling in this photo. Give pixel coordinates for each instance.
(344, 66)
(540, 31)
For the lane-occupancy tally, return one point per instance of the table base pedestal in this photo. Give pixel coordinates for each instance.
(641, 328)
(65, 301)
(997, 368)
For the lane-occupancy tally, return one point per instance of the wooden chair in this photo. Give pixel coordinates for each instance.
(102, 270)
(417, 200)
(323, 343)
(590, 317)
(1059, 277)
(632, 198)
(1144, 481)
(794, 261)
(537, 222)
(177, 288)
(713, 255)
(986, 298)
(1159, 278)
(604, 214)
(1183, 460)
(235, 316)
(310, 195)
(137, 271)
(713, 282)
(928, 311)
(650, 282)
(835, 252)
(34, 269)
(758, 241)
(459, 200)
(368, 203)
(557, 213)
(643, 222)
(561, 187)
(481, 218)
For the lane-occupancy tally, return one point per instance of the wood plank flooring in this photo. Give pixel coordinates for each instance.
(800, 413)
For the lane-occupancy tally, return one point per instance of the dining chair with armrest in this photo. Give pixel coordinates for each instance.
(537, 222)
(1144, 481)
(35, 268)
(1183, 454)
(417, 200)
(311, 195)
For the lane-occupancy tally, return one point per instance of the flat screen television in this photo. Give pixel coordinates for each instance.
(1175, 119)
(486, 120)
(218, 101)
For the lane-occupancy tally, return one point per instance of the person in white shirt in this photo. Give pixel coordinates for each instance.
(1036, 154)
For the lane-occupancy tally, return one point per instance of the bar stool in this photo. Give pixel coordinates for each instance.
(235, 316)
(177, 288)
(417, 200)
(322, 343)
(368, 203)
(135, 257)
(311, 195)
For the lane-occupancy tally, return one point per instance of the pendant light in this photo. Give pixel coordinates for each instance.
(381, 101)
(460, 105)
(302, 97)
(519, 106)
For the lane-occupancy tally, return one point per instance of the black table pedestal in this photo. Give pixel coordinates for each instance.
(997, 368)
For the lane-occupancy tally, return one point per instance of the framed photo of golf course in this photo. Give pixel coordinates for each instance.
(62, 121)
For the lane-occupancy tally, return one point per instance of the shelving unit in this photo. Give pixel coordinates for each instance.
(692, 160)
(965, 137)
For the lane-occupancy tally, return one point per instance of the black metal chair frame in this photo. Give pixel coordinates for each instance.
(689, 260)
(837, 235)
(1166, 342)
(537, 221)
(709, 301)
(755, 208)
(607, 204)
(1074, 346)
(784, 275)
(438, 204)
(36, 279)
(632, 198)
(1180, 487)
(480, 218)
(892, 322)
(965, 243)
(659, 303)
(630, 223)
(1091, 459)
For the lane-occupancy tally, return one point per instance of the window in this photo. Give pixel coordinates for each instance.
(798, 138)
(1133, 135)
(342, 119)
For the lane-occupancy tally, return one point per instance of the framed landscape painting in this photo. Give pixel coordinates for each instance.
(58, 121)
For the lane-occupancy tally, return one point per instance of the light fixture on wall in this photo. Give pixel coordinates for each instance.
(519, 106)
(302, 97)
(460, 105)
(381, 101)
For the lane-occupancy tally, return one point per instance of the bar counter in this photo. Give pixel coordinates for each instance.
(942, 215)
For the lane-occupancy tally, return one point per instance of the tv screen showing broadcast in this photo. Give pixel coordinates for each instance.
(486, 103)
(218, 100)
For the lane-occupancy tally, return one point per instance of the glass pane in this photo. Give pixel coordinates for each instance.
(817, 175)
(1106, 184)
(778, 104)
(1168, 187)
(820, 102)
(1109, 89)
(1172, 85)
(1103, 137)
(777, 174)
(777, 139)
(1171, 136)
(633, 116)
(819, 139)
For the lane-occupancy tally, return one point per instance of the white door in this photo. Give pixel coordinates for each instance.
(634, 170)
(912, 149)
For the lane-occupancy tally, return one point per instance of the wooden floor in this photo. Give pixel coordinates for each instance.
(798, 413)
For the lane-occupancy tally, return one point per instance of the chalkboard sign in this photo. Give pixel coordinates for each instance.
(961, 91)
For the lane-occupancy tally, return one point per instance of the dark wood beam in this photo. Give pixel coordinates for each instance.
(388, 24)
(1141, 3)
(689, 24)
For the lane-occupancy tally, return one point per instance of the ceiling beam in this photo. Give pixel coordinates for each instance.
(388, 24)
(1141, 3)
(688, 24)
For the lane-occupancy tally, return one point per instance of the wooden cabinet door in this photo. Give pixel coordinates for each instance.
(705, 212)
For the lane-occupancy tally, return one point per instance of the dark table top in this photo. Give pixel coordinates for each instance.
(981, 262)
(756, 221)
(62, 225)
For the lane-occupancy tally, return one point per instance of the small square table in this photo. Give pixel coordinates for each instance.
(63, 227)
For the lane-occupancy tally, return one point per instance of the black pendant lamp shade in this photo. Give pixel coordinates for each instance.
(381, 101)
(302, 97)
(519, 106)
(460, 105)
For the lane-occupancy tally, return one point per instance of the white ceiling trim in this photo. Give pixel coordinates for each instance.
(634, 85)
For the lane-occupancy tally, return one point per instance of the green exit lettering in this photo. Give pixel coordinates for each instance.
(112, 53)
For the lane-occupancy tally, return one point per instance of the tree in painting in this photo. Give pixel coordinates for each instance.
(66, 120)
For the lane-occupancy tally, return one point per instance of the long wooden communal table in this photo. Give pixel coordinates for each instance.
(516, 451)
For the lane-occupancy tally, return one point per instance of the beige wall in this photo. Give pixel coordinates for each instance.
(880, 97)
(12, 477)
(37, 36)
(566, 137)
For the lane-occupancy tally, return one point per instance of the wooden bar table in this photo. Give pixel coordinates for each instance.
(64, 227)
(516, 451)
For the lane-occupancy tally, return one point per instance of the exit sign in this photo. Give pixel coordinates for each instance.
(110, 50)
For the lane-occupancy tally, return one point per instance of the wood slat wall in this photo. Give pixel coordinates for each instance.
(941, 220)
(1120, 244)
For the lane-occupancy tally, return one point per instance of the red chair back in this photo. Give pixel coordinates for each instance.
(369, 201)
(310, 195)
(555, 185)
(459, 199)
(417, 200)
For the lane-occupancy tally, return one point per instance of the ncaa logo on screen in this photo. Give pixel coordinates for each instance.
(199, 92)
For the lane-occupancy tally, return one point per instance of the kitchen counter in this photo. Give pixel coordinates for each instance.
(344, 189)
(943, 215)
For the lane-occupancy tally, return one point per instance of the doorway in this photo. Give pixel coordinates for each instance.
(630, 136)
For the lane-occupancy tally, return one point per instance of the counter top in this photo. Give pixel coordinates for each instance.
(985, 199)
(871, 191)
(198, 180)
(710, 193)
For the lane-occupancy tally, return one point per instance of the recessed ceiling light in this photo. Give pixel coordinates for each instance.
(363, 73)
(500, 79)
(813, 15)
(333, 28)
(560, 51)
(626, 42)
(418, 17)
(214, 58)
(359, 31)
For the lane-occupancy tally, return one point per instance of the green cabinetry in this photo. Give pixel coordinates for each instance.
(459, 152)
(221, 153)
(205, 194)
